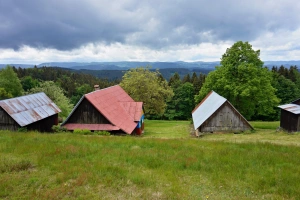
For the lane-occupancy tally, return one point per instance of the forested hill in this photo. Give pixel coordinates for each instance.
(115, 70)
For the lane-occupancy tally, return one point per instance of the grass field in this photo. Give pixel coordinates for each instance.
(167, 162)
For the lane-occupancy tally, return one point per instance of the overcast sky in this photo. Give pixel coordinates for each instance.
(35, 31)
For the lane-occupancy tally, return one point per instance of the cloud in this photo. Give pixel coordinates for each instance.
(154, 27)
(70, 24)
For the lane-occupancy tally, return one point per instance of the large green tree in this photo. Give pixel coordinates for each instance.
(56, 94)
(244, 81)
(10, 83)
(147, 86)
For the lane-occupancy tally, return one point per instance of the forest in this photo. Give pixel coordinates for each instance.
(253, 89)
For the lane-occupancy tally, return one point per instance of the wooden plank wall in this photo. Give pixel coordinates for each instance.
(225, 119)
(289, 121)
(86, 113)
(7, 122)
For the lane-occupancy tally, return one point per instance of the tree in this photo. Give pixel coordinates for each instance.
(56, 94)
(244, 81)
(174, 80)
(286, 90)
(80, 91)
(182, 103)
(28, 82)
(146, 86)
(4, 94)
(10, 82)
(186, 79)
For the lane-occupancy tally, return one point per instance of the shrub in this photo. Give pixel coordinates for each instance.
(82, 131)
(102, 133)
(22, 129)
(58, 128)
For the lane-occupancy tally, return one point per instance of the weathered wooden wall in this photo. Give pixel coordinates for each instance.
(289, 121)
(225, 119)
(86, 113)
(44, 125)
(7, 122)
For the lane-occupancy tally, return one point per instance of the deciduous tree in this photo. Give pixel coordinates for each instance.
(146, 86)
(56, 94)
(244, 81)
(10, 82)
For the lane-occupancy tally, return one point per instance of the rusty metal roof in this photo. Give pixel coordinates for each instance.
(30, 108)
(293, 108)
(116, 105)
(208, 106)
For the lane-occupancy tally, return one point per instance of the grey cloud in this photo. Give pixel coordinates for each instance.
(156, 24)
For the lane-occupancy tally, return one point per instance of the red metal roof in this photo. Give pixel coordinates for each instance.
(134, 109)
(116, 105)
(30, 108)
(94, 127)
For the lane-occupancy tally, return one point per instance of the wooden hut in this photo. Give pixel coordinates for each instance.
(109, 109)
(34, 112)
(216, 114)
(290, 116)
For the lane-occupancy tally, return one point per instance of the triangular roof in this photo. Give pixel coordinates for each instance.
(208, 106)
(116, 106)
(29, 108)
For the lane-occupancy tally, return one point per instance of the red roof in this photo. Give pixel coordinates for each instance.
(116, 106)
(94, 127)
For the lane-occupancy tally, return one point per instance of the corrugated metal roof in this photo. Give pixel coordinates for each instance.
(94, 127)
(30, 108)
(110, 103)
(293, 108)
(206, 108)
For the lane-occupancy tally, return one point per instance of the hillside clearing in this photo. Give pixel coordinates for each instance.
(175, 166)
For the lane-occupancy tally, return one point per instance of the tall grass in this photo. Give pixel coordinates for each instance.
(70, 166)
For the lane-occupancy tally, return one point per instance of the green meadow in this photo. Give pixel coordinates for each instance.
(167, 162)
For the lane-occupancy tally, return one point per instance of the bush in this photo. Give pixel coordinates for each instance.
(22, 129)
(58, 128)
(101, 133)
(82, 131)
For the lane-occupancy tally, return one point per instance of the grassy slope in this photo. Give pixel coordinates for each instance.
(165, 163)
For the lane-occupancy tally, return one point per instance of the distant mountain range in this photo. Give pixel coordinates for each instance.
(115, 70)
(124, 65)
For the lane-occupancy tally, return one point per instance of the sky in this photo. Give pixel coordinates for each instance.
(35, 31)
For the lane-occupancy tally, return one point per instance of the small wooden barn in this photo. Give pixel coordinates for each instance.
(290, 116)
(216, 114)
(109, 109)
(34, 112)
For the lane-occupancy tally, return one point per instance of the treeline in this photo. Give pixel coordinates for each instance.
(73, 84)
(183, 102)
(286, 81)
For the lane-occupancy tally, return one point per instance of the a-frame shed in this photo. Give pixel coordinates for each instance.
(216, 114)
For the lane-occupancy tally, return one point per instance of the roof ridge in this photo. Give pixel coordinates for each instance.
(23, 96)
(102, 89)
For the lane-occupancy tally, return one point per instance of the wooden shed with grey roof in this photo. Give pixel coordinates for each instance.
(33, 112)
(216, 114)
(290, 116)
